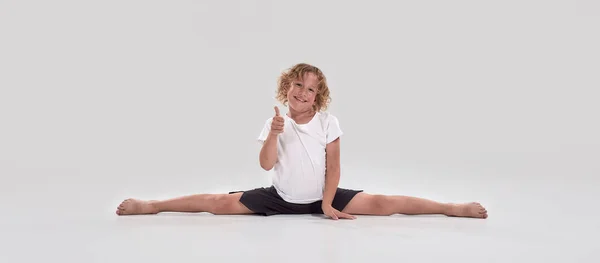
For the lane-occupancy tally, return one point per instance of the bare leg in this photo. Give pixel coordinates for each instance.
(211, 203)
(368, 204)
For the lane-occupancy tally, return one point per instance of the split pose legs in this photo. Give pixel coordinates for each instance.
(361, 204)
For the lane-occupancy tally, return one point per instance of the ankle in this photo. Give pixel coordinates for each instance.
(449, 209)
(155, 206)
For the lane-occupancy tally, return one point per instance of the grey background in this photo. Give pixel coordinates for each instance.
(489, 101)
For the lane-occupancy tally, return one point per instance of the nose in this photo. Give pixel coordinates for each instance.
(302, 93)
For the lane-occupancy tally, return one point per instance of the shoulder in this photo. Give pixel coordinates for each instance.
(324, 115)
(328, 118)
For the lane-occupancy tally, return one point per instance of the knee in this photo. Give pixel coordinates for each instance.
(382, 205)
(221, 204)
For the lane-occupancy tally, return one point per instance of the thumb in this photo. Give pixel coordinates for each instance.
(276, 111)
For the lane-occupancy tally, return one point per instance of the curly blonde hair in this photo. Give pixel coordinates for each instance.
(322, 99)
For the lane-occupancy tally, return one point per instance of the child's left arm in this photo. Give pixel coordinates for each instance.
(332, 179)
(332, 174)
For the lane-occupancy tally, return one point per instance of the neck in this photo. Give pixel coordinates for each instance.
(301, 115)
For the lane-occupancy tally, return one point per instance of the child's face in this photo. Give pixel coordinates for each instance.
(302, 93)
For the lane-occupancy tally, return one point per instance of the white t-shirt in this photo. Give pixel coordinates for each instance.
(300, 170)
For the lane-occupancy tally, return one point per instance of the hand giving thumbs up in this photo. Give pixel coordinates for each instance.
(277, 123)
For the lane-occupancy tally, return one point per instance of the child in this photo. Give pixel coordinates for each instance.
(303, 147)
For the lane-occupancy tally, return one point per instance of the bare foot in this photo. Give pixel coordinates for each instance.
(136, 207)
(475, 210)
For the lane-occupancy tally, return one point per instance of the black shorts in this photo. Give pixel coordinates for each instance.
(266, 201)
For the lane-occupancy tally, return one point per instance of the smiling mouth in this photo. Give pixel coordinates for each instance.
(299, 99)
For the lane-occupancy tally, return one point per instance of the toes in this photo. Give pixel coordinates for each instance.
(121, 212)
(121, 208)
(483, 214)
(125, 202)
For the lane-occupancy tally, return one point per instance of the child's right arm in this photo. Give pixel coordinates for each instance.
(268, 153)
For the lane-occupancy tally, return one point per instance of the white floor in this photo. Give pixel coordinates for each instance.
(530, 221)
